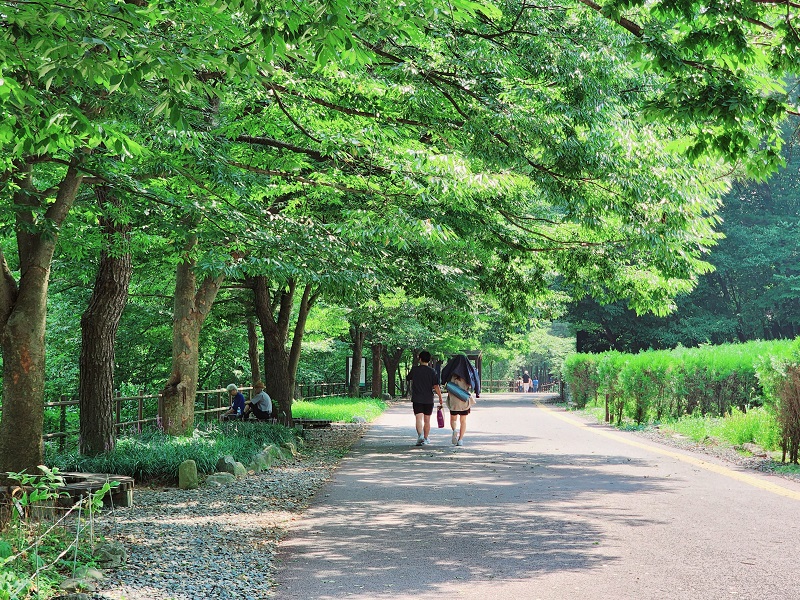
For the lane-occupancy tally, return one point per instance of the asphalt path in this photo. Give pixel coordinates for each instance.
(540, 504)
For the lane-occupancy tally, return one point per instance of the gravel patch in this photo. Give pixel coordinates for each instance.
(218, 542)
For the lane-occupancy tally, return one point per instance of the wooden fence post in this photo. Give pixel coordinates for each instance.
(62, 423)
(118, 395)
(140, 412)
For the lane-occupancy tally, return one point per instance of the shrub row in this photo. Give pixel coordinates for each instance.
(656, 385)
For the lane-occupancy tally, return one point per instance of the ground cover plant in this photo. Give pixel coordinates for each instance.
(757, 426)
(154, 455)
(339, 408)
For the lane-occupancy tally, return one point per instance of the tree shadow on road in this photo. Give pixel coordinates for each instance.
(444, 515)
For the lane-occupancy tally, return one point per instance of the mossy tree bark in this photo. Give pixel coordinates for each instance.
(192, 305)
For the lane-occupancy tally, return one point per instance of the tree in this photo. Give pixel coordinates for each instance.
(99, 325)
(194, 297)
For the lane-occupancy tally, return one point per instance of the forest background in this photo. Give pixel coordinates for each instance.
(445, 175)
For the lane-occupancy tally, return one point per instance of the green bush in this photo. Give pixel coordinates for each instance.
(580, 374)
(758, 426)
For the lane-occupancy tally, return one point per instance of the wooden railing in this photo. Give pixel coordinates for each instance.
(133, 413)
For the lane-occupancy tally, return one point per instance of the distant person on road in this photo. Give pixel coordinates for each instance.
(260, 405)
(424, 382)
(461, 379)
(526, 382)
(535, 384)
(236, 410)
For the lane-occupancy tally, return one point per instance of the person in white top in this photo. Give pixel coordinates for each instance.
(260, 404)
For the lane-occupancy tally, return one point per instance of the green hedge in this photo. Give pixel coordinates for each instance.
(666, 384)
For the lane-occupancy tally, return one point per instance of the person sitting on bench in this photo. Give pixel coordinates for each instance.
(260, 404)
(237, 404)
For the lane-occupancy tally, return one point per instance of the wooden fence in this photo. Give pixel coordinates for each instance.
(132, 413)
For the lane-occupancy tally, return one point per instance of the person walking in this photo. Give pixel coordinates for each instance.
(460, 379)
(424, 382)
(526, 382)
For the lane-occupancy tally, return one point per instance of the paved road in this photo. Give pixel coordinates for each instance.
(542, 505)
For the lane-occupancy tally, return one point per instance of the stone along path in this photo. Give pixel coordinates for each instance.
(540, 504)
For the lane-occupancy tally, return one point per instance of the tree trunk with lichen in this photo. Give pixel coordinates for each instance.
(192, 306)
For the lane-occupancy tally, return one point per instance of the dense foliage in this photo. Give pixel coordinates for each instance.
(502, 158)
(751, 294)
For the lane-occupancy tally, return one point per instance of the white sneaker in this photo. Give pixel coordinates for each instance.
(454, 439)
(420, 441)
(460, 443)
(425, 441)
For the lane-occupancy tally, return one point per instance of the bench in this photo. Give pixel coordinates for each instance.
(78, 485)
(312, 423)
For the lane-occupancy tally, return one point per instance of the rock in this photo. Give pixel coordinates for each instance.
(291, 447)
(73, 596)
(263, 460)
(89, 573)
(226, 464)
(386, 397)
(110, 555)
(755, 450)
(239, 470)
(77, 585)
(218, 479)
(359, 419)
(187, 475)
(276, 452)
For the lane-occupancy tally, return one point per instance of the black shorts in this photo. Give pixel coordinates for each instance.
(425, 409)
(463, 413)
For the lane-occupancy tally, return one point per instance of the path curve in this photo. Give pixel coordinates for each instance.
(539, 504)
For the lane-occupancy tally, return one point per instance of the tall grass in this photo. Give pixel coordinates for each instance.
(338, 408)
(757, 426)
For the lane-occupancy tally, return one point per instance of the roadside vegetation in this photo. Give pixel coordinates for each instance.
(339, 408)
(740, 393)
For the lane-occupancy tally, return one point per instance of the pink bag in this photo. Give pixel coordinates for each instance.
(440, 418)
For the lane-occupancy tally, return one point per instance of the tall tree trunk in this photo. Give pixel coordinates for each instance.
(377, 371)
(357, 335)
(306, 303)
(192, 306)
(99, 333)
(273, 317)
(392, 362)
(280, 361)
(23, 311)
(253, 352)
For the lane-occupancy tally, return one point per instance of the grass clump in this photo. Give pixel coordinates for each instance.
(155, 456)
(757, 426)
(338, 408)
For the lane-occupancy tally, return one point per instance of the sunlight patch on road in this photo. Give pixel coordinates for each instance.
(725, 471)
